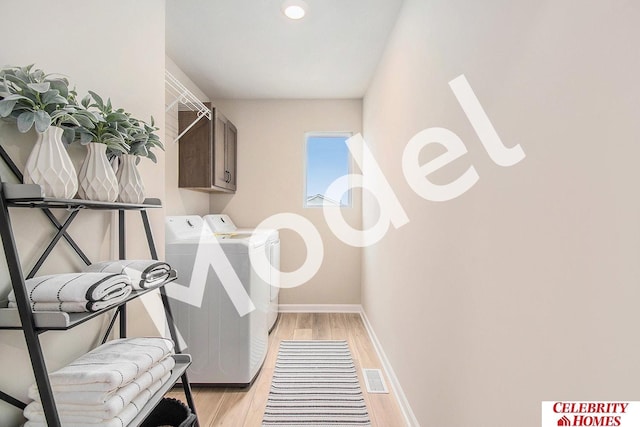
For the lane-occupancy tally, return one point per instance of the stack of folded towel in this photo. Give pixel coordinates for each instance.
(107, 386)
(75, 292)
(100, 286)
(144, 274)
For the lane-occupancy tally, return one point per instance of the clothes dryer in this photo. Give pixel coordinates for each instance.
(227, 347)
(222, 225)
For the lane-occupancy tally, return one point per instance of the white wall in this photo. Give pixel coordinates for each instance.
(271, 181)
(119, 55)
(525, 288)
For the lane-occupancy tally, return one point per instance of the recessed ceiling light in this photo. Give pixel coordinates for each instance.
(294, 9)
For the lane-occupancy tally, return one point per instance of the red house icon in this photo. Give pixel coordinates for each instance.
(564, 421)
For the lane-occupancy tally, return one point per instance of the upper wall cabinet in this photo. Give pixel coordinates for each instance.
(207, 153)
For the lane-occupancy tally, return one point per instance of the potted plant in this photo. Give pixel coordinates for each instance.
(44, 102)
(110, 134)
(142, 140)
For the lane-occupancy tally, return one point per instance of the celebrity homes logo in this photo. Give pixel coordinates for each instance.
(591, 413)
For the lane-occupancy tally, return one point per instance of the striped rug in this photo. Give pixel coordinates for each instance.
(315, 383)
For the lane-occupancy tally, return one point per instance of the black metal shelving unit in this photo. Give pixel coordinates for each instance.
(32, 324)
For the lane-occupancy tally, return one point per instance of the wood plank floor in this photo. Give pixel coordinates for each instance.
(245, 407)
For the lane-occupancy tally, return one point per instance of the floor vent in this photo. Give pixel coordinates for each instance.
(374, 381)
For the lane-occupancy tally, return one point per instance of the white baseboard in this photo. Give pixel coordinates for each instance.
(320, 308)
(409, 416)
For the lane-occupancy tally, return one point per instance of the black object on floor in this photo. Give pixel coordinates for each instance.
(170, 413)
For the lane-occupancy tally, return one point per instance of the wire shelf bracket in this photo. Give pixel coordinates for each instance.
(185, 98)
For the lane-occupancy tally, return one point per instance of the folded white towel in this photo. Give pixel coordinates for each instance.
(113, 364)
(74, 307)
(80, 288)
(144, 274)
(112, 401)
(36, 417)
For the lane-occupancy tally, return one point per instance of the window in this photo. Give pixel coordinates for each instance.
(327, 159)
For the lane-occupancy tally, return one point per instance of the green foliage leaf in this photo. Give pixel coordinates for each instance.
(85, 138)
(25, 121)
(61, 117)
(61, 85)
(6, 106)
(53, 97)
(32, 97)
(42, 120)
(86, 101)
(17, 82)
(68, 135)
(84, 119)
(40, 87)
(36, 75)
(15, 96)
(22, 76)
(114, 146)
(97, 99)
(10, 75)
(116, 117)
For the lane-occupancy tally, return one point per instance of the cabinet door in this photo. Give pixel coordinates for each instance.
(195, 152)
(231, 147)
(207, 153)
(219, 154)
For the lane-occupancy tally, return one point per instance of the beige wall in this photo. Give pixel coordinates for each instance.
(81, 41)
(525, 288)
(271, 181)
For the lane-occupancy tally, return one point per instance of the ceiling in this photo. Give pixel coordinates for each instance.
(249, 49)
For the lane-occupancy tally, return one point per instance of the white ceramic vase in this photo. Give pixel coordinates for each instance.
(96, 178)
(49, 165)
(130, 185)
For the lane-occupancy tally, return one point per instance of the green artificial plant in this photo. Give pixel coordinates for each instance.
(142, 139)
(35, 99)
(112, 127)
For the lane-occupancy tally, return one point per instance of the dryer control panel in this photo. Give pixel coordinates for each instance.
(185, 228)
(220, 223)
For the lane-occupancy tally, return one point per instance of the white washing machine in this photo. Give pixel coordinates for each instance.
(222, 225)
(228, 347)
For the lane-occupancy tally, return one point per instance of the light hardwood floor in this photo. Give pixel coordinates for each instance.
(245, 407)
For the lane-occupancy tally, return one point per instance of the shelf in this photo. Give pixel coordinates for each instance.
(186, 99)
(62, 321)
(30, 196)
(182, 363)
(33, 323)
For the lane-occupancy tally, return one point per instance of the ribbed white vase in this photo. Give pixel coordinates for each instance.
(49, 165)
(130, 185)
(96, 178)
